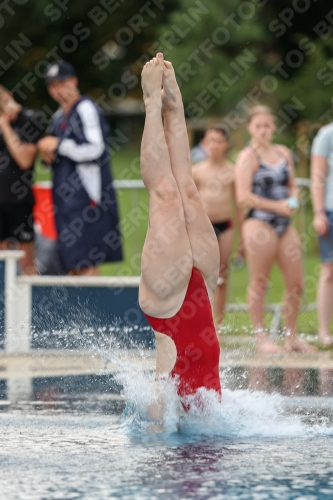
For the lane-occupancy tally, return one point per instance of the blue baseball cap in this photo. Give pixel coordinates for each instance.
(60, 70)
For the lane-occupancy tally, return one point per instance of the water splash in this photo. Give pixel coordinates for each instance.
(241, 413)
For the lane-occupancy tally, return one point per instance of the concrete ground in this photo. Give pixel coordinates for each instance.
(50, 363)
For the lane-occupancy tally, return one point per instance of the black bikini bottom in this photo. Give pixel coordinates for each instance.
(221, 227)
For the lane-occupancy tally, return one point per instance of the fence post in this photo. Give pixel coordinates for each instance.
(19, 389)
(17, 306)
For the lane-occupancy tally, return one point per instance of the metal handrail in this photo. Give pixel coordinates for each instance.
(138, 183)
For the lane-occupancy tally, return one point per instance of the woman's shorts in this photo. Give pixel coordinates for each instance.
(326, 242)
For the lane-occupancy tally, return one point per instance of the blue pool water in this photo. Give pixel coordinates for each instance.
(100, 445)
(86, 456)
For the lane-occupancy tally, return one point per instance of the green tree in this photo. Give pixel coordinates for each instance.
(279, 48)
(101, 39)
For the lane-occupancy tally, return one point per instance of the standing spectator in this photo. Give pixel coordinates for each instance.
(85, 205)
(214, 178)
(322, 201)
(20, 130)
(265, 184)
(199, 152)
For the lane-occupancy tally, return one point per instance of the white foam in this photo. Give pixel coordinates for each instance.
(241, 413)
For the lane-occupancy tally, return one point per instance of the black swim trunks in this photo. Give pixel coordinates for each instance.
(16, 223)
(221, 227)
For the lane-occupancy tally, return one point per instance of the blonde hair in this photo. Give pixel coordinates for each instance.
(258, 110)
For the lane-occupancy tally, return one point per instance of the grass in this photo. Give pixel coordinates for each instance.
(133, 208)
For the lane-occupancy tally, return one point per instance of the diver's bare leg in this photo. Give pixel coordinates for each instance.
(166, 258)
(199, 228)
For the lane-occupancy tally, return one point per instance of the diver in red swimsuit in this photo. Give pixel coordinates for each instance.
(180, 258)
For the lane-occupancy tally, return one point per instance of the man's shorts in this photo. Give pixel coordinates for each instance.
(326, 242)
(16, 223)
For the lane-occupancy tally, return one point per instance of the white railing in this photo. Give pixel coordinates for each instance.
(138, 183)
(18, 297)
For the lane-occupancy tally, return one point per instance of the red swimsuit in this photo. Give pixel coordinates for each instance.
(193, 332)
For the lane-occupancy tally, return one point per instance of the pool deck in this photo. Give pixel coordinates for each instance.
(53, 363)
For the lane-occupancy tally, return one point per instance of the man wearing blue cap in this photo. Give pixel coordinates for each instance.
(85, 204)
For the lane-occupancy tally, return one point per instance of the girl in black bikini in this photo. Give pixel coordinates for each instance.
(265, 184)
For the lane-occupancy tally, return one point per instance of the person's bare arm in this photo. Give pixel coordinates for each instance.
(47, 148)
(293, 188)
(23, 153)
(244, 171)
(318, 178)
(240, 217)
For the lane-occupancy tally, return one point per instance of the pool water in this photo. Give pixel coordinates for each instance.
(95, 457)
(67, 452)
(99, 445)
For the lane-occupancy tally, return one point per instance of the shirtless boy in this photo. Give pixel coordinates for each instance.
(214, 178)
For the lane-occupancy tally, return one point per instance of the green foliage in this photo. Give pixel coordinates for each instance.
(220, 48)
(76, 32)
(229, 41)
(312, 84)
(285, 48)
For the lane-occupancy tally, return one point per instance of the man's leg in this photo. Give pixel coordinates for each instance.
(18, 220)
(27, 263)
(225, 246)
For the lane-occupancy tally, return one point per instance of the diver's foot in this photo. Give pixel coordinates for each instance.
(326, 340)
(151, 79)
(155, 428)
(297, 345)
(267, 346)
(171, 96)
